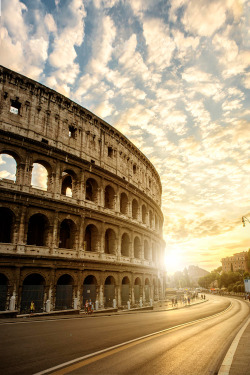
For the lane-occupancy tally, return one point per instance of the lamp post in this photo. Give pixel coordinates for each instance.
(244, 219)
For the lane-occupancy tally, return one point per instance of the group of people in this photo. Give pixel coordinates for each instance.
(88, 307)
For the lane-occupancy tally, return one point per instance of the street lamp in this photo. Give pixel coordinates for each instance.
(244, 219)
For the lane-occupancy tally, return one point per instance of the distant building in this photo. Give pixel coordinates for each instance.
(235, 263)
(195, 272)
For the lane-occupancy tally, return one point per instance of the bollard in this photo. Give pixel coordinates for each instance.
(114, 303)
(47, 308)
(96, 305)
(12, 303)
(128, 305)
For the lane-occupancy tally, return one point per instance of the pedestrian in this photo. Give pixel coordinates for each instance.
(32, 307)
(90, 307)
(86, 307)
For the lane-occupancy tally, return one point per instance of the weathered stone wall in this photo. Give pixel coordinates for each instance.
(115, 194)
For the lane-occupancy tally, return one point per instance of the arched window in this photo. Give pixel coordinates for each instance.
(109, 197)
(3, 291)
(89, 289)
(67, 234)
(156, 222)
(125, 245)
(110, 242)
(8, 167)
(91, 238)
(146, 250)
(109, 291)
(124, 203)
(91, 190)
(144, 213)
(6, 225)
(39, 178)
(32, 290)
(37, 230)
(134, 209)
(64, 292)
(68, 183)
(150, 218)
(137, 248)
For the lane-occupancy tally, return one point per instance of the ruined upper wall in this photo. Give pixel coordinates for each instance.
(37, 112)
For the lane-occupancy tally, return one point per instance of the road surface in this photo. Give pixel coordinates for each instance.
(177, 346)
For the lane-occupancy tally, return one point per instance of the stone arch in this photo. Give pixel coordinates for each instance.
(9, 161)
(33, 290)
(7, 219)
(135, 208)
(109, 291)
(125, 245)
(69, 183)
(91, 191)
(137, 289)
(146, 250)
(150, 218)
(89, 289)
(110, 242)
(67, 234)
(124, 203)
(4, 282)
(144, 213)
(147, 289)
(40, 174)
(109, 197)
(137, 247)
(125, 290)
(38, 229)
(64, 292)
(91, 238)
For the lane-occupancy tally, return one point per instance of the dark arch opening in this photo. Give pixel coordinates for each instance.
(124, 204)
(67, 234)
(125, 290)
(89, 289)
(137, 248)
(109, 291)
(37, 230)
(6, 225)
(109, 197)
(3, 292)
(33, 290)
(64, 292)
(91, 190)
(125, 245)
(134, 209)
(91, 238)
(110, 240)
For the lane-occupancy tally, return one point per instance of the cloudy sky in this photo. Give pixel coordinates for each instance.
(174, 77)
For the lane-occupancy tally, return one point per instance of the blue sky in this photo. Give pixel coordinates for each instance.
(174, 77)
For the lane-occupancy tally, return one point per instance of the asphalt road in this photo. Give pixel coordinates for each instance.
(29, 346)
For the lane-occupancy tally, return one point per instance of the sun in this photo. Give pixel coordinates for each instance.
(173, 262)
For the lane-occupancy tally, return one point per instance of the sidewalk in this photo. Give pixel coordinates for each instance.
(241, 359)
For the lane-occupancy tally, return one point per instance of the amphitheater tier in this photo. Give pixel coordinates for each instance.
(80, 218)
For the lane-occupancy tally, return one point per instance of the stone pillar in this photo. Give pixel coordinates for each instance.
(21, 235)
(101, 297)
(118, 241)
(119, 296)
(54, 243)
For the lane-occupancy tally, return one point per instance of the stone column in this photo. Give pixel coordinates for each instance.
(54, 243)
(21, 234)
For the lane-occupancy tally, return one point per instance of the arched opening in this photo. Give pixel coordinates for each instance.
(91, 190)
(125, 290)
(137, 290)
(89, 289)
(124, 204)
(67, 234)
(137, 248)
(68, 183)
(110, 240)
(147, 289)
(144, 213)
(134, 209)
(91, 238)
(33, 290)
(64, 292)
(146, 250)
(150, 218)
(39, 178)
(125, 245)
(6, 225)
(109, 291)
(8, 167)
(153, 253)
(37, 230)
(109, 197)
(3, 292)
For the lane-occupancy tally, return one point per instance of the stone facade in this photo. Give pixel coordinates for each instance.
(235, 263)
(93, 228)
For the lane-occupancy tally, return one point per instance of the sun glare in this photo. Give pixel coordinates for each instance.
(173, 262)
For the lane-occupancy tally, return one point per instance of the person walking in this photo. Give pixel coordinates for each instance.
(32, 307)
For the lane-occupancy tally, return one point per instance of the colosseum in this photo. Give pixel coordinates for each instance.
(80, 216)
